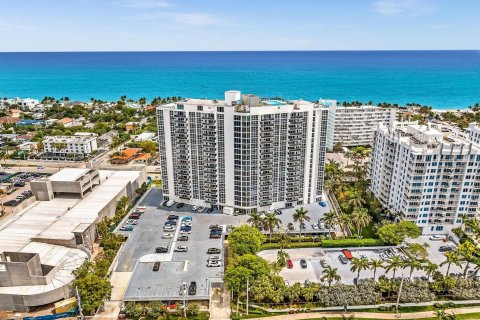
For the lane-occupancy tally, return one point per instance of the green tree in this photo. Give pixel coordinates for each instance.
(413, 264)
(330, 274)
(451, 257)
(398, 232)
(149, 147)
(330, 220)
(430, 269)
(255, 219)
(133, 310)
(245, 239)
(358, 265)
(361, 219)
(193, 310)
(393, 264)
(294, 292)
(271, 221)
(375, 264)
(93, 290)
(469, 253)
(355, 198)
(300, 216)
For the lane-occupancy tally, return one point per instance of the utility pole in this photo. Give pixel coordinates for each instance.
(248, 289)
(397, 315)
(79, 302)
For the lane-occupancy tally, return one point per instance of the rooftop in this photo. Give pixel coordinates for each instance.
(76, 138)
(69, 174)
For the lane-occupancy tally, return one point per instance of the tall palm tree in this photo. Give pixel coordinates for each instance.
(272, 222)
(330, 274)
(394, 263)
(430, 268)
(468, 252)
(361, 219)
(413, 264)
(255, 219)
(374, 265)
(355, 199)
(345, 220)
(358, 265)
(330, 219)
(452, 257)
(300, 216)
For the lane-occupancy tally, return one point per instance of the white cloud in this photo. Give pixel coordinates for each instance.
(180, 18)
(404, 7)
(145, 4)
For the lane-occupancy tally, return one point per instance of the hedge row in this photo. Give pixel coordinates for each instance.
(328, 243)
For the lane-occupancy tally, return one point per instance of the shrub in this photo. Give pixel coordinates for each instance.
(368, 242)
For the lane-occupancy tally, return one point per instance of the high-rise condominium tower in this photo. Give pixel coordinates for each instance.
(243, 153)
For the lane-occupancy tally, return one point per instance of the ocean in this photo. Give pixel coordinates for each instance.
(441, 79)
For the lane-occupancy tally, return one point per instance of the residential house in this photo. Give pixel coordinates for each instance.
(125, 156)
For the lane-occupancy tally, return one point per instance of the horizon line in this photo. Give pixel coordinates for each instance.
(206, 51)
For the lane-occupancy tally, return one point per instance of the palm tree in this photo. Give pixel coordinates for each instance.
(361, 219)
(355, 198)
(374, 265)
(452, 257)
(394, 263)
(255, 219)
(345, 220)
(330, 274)
(358, 265)
(300, 216)
(430, 268)
(272, 222)
(330, 219)
(413, 264)
(468, 252)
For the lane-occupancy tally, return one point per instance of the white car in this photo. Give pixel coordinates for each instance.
(132, 222)
(315, 226)
(436, 238)
(200, 209)
(186, 223)
(169, 228)
(195, 208)
(214, 258)
(167, 236)
(214, 264)
(181, 249)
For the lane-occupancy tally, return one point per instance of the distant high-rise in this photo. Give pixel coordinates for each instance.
(243, 153)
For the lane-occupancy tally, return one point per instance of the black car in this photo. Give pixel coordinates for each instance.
(214, 251)
(214, 226)
(192, 289)
(19, 184)
(11, 203)
(303, 264)
(216, 231)
(161, 250)
(182, 238)
(186, 228)
(171, 223)
(180, 205)
(156, 266)
(172, 217)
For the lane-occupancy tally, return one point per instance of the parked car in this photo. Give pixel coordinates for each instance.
(277, 212)
(161, 249)
(19, 184)
(187, 223)
(181, 249)
(303, 264)
(180, 205)
(446, 248)
(127, 227)
(214, 251)
(187, 218)
(342, 259)
(287, 284)
(167, 236)
(182, 238)
(315, 226)
(10, 203)
(156, 266)
(172, 217)
(214, 258)
(289, 264)
(169, 228)
(192, 289)
(195, 208)
(322, 204)
(164, 203)
(200, 209)
(215, 235)
(348, 254)
(214, 263)
(131, 221)
(436, 237)
(214, 226)
(307, 283)
(323, 263)
(183, 289)
(171, 222)
(134, 216)
(186, 229)
(40, 167)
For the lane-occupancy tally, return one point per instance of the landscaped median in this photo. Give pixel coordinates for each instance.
(327, 243)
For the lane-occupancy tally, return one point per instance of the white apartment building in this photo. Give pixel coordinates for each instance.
(474, 132)
(428, 176)
(82, 142)
(242, 154)
(354, 126)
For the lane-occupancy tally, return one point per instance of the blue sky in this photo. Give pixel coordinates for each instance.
(135, 25)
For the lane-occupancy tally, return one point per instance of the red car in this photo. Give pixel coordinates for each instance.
(289, 264)
(347, 254)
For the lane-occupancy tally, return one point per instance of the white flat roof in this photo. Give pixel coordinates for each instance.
(69, 174)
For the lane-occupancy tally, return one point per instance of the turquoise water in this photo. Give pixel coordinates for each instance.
(442, 79)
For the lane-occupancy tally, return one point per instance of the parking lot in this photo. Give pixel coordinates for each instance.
(314, 269)
(138, 254)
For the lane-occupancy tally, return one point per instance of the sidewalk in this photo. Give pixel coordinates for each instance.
(370, 315)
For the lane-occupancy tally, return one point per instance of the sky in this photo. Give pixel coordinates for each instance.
(207, 25)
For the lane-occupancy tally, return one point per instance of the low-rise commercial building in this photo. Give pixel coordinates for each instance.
(79, 144)
(41, 245)
(427, 175)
